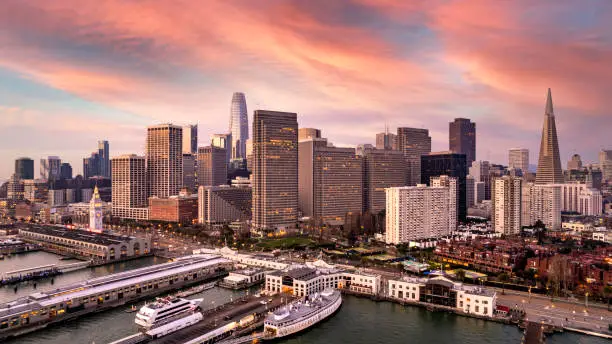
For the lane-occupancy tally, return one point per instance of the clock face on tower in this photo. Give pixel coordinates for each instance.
(97, 214)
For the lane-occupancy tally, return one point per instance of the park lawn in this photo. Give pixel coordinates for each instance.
(285, 243)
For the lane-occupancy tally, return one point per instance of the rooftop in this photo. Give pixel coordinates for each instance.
(79, 235)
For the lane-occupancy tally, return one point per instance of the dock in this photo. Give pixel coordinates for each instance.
(39, 272)
(534, 333)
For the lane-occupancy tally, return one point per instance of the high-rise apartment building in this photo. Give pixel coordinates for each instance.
(189, 172)
(381, 169)
(24, 168)
(580, 198)
(190, 139)
(549, 162)
(164, 154)
(239, 125)
(541, 202)
(462, 138)
(417, 212)
(308, 133)
(330, 182)
(506, 202)
(449, 164)
(518, 158)
(129, 187)
(275, 170)
(574, 163)
(65, 171)
(15, 188)
(104, 156)
(223, 141)
(481, 171)
(413, 143)
(50, 168)
(605, 164)
(212, 166)
(453, 196)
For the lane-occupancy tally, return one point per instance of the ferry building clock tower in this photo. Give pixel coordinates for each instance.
(95, 212)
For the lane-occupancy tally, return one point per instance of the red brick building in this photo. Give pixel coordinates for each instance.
(181, 209)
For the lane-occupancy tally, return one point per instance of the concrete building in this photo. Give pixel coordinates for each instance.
(164, 154)
(518, 158)
(452, 183)
(549, 162)
(129, 187)
(605, 164)
(449, 164)
(543, 203)
(223, 141)
(50, 168)
(386, 140)
(574, 163)
(15, 188)
(506, 199)
(413, 143)
(330, 182)
(189, 172)
(470, 189)
(56, 197)
(308, 133)
(481, 171)
(35, 190)
(417, 212)
(275, 170)
(381, 169)
(24, 168)
(579, 198)
(190, 139)
(224, 204)
(462, 138)
(212, 166)
(180, 208)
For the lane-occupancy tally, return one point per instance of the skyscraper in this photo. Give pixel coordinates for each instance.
(506, 199)
(65, 171)
(574, 163)
(481, 171)
(308, 133)
(605, 164)
(24, 168)
(190, 139)
(239, 125)
(541, 203)
(462, 138)
(189, 172)
(129, 187)
(413, 143)
(223, 141)
(212, 168)
(453, 196)
(50, 168)
(164, 156)
(275, 170)
(91, 165)
(381, 169)
(447, 164)
(104, 156)
(329, 181)
(519, 158)
(549, 162)
(386, 140)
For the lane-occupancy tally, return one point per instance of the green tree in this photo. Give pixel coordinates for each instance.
(460, 274)
(503, 278)
(607, 291)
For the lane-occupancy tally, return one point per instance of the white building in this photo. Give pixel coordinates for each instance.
(129, 194)
(443, 292)
(578, 197)
(95, 212)
(519, 158)
(246, 259)
(418, 212)
(541, 202)
(605, 236)
(56, 197)
(506, 199)
(453, 197)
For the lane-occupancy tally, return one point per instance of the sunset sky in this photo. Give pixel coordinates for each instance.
(74, 72)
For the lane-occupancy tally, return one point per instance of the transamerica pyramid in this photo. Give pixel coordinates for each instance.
(549, 162)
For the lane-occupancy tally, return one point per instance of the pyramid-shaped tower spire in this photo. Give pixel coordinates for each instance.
(549, 162)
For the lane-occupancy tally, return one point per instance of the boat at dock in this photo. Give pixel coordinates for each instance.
(132, 309)
(167, 315)
(302, 314)
(195, 290)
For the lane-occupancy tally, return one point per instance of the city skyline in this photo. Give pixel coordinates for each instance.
(65, 92)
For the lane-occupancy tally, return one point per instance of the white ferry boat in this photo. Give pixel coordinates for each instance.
(164, 311)
(301, 314)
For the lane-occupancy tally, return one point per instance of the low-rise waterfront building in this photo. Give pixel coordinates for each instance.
(243, 278)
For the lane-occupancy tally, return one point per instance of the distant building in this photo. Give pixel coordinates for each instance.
(181, 209)
(381, 169)
(462, 138)
(417, 212)
(605, 164)
(506, 212)
(95, 212)
(56, 197)
(308, 133)
(35, 190)
(239, 126)
(452, 183)
(414, 143)
(518, 158)
(470, 189)
(212, 167)
(50, 168)
(329, 182)
(479, 192)
(224, 204)
(543, 203)
(129, 194)
(15, 188)
(574, 163)
(275, 170)
(481, 171)
(92, 165)
(579, 198)
(449, 164)
(24, 168)
(223, 141)
(164, 156)
(386, 140)
(104, 156)
(65, 171)
(549, 163)
(190, 139)
(189, 171)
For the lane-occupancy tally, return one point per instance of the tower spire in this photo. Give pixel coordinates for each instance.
(549, 104)
(549, 162)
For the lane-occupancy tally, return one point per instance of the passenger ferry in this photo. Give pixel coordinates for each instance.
(301, 314)
(38, 310)
(165, 310)
(196, 290)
